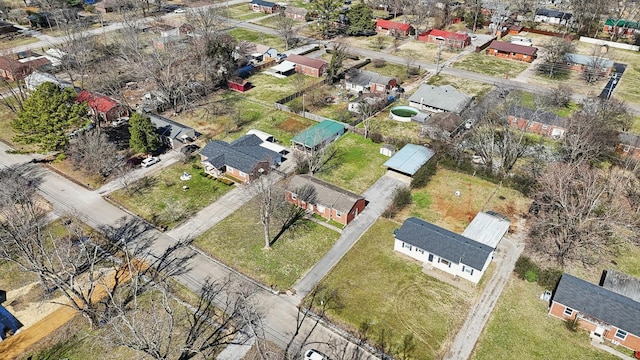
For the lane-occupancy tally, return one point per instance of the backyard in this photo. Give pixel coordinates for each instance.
(242, 12)
(491, 65)
(238, 241)
(469, 87)
(161, 198)
(269, 88)
(390, 293)
(438, 203)
(257, 37)
(357, 166)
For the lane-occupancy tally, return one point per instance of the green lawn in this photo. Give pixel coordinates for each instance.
(520, 328)
(161, 200)
(527, 99)
(238, 241)
(242, 12)
(491, 65)
(437, 202)
(357, 166)
(397, 71)
(269, 89)
(390, 292)
(260, 38)
(469, 87)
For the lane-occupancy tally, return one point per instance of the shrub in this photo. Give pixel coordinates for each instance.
(376, 137)
(422, 177)
(401, 198)
(572, 324)
(524, 264)
(196, 166)
(531, 275)
(225, 181)
(378, 63)
(549, 278)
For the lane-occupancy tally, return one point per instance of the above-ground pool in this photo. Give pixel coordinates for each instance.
(403, 113)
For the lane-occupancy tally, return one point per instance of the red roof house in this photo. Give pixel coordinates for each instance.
(308, 66)
(393, 28)
(450, 39)
(512, 51)
(102, 107)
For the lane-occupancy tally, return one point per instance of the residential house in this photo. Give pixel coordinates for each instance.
(626, 28)
(409, 159)
(583, 63)
(515, 29)
(512, 51)
(628, 145)
(172, 133)
(260, 53)
(37, 78)
(443, 249)
(554, 17)
(318, 135)
(7, 28)
(436, 99)
(266, 7)
(308, 66)
(102, 107)
(442, 126)
(393, 28)
(295, 13)
(360, 81)
(537, 121)
(606, 314)
(457, 40)
(332, 202)
(243, 159)
(269, 142)
(12, 68)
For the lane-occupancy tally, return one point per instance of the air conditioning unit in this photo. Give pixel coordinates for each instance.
(614, 342)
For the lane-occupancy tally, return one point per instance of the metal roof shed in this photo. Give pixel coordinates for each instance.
(409, 159)
(319, 135)
(487, 229)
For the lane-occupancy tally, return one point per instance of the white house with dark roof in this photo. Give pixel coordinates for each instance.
(357, 80)
(606, 314)
(172, 132)
(443, 249)
(439, 99)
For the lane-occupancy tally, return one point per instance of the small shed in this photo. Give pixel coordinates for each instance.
(409, 159)
(240, 85)
(487, 229)
(387, 150)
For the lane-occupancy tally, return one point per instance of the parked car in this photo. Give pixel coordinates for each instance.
(120, 121)
(313, 354)
(150, 161)
(189, 149)
(180, 11)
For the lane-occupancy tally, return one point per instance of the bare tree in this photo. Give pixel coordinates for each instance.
(13, 94)
(269, 198)
(560, 96)
(587, 14)
(285, 28)
(93, 153)
(553, 63)
(595, 69)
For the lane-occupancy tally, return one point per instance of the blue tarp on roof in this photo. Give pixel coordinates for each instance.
(409, 159)
(8, 322)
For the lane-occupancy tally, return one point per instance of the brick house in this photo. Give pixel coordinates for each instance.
(606, 312)
(393, 28)
(626, 28)
(14, 69)
(537, 121)
(308, 66)
(243, 159)
(295, 13)
(447, 38)
(102, 107)
(266, 7)
(367, 81)
(628, 145)
(512, 51)
(332, 202)
(582, 63)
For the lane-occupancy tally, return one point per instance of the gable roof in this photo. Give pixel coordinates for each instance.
(319, 133)
(364, 77)
(444, 97)
(444, 243)
(487, 229)
(409, 159)
(10, 64)
(295, 10)
(623, 24)
(328, 195)
(598, 302)
(7, 320)
(621, 283)
(263, 3)
(258, 48)
(387, 24)
(513, 48)
(543, 117)
(100, 103)
(243, 154)
(553, 13)
(448, 34)
(588, 60)
(169, 128)
(630, 139)
(306, 61)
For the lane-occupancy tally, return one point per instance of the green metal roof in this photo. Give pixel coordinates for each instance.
(320, 133)
(623, 24)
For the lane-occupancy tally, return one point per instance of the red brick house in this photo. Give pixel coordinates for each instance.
(266, 7)
(308, 66)
(357, 81)
(447, 38)
(295, 13)
(537, 121)
(628, 145)
(512, 51)
(582, 63)
(393, 28)
(332, 202)
(102, 107)
(14, 69)
(608, 313)
(621, 27)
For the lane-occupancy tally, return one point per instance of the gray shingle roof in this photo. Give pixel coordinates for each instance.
(169, 128)
(630, 139)
(364, 78)
(444, 243)
(328, 195)
(588, 60)
(598, 302)
(243, 154)
(543, 117)
(444, 97)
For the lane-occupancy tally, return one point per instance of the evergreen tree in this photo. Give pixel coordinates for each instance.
(360, 18)
(47, 115)
(327, 13)
(144, 138)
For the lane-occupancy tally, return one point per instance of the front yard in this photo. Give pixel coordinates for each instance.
(161, 198)
(242, 12)
(491, 65)
(469, 87)
(390, 293)
(269, 88)
(256, 37)
(238, 241)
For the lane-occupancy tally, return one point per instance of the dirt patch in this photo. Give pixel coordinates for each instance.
(292, 125)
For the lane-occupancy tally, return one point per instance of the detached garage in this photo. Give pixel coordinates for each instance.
(487, 228)
(409, 159)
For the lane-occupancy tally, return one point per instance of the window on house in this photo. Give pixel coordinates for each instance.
(626, 148)
(405, 245)
(568, 311)
(621, 334)
(467, 269)
(294, 196)
(241, 173)
(545, 127)
(445, 262)
(338, 214)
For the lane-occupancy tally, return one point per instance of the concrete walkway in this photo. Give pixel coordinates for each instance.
(378, 196)
(610, 350)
